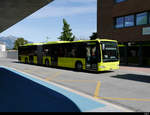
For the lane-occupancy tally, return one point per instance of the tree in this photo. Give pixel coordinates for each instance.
(18, 42)
(66, 35)
(93, 36)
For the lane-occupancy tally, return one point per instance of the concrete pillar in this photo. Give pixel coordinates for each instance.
(126, 54)
(140, 56)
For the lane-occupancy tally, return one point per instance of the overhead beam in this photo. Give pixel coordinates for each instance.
(13, 11)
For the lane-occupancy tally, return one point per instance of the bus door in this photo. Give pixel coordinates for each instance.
(39, 54)
(54, 56)
(91, 56)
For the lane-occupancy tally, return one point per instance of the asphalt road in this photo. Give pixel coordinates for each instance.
(125, 87)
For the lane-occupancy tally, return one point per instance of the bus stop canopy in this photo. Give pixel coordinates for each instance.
(13, 11)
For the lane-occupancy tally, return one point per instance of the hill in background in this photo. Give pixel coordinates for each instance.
(9, 41)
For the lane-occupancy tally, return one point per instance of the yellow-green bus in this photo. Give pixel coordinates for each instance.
(92, 55)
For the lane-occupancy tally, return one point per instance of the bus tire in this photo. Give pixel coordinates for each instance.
(47, 62)
(79, 66)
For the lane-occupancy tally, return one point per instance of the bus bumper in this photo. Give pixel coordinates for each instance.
(108, 66)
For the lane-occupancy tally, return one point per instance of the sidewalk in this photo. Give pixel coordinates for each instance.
(138, 69)
(27, 93)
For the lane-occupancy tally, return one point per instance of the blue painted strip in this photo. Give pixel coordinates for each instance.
(84, 103)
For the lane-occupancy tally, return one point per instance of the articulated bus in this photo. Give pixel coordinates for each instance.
(92, 55)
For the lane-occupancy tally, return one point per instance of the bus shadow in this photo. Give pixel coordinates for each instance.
(134, 77)
(19, 94)
(137, 66)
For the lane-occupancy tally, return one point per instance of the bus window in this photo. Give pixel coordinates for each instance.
(94, 54)
(73, 52)
(80, 50)
(110, 51)
(54, 50)
(60, 52)
(88, 53)
(65, 52)
(69, 50)
(46, 50)
(94, 51)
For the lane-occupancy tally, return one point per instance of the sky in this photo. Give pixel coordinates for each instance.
(46, 23)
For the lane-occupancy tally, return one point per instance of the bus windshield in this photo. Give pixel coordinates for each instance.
(110, 51)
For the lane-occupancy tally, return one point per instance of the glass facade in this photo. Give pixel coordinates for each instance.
(141, 18)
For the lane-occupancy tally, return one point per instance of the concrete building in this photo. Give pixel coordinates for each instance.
(127, 21)
(2, 50)
(2, 47)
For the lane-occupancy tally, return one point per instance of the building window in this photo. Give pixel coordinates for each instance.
(118, 1)
(129, 21)
(119, 22)
(132, 20)
(141, 18)
(148, 15)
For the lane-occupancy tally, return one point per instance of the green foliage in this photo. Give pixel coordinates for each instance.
(66, 35)
(18, 42)
(93, 36)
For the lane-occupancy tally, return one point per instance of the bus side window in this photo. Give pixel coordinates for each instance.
(68, 50)
(60, 52)
(65, 52)
(73, 52)
(81, 50)
(46, 51)
(54, 51)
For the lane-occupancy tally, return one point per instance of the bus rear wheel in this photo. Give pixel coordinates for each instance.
(79, 66)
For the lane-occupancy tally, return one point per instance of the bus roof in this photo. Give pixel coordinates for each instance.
(32, 44)
(57, 42)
